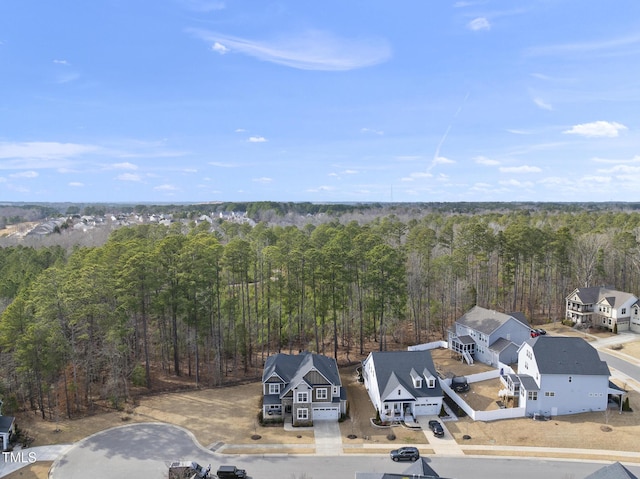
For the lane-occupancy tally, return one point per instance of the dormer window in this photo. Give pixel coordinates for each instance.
(417, 383)
(431, 382)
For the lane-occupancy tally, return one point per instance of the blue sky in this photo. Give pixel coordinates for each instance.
(221, 100)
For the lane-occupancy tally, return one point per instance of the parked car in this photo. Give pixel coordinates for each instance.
(534, 333)
(405, 454)
(231, 472)
(436, 428)
(459, 384)
(541, 331)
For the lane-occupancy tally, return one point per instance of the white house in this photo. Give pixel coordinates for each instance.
(489, 336)
(402, 384)
(604, 307)
(562, 375)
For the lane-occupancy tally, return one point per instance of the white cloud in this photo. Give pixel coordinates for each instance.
(42, 150)
(129, 177)
(311, 50)
(321, 189)
(239, 130)
(441, 160)
(416, 176)
(24, 174)
(370, 130)
(480, 23)
(350, 172)
(264, 180)
(516, 183)
(519, 169)
(257, 139)
(542, 104)
(75, 184)
(483, 160)
(124, 166)
(519, 132)
(220, 48)
(597, 129)
(408, 158)
(61, 62)
(165, 187)
(635, 159)
(616, 45)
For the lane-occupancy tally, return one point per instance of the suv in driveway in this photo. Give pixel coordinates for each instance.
(405, 454)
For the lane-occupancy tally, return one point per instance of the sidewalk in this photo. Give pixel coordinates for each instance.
(19, 458)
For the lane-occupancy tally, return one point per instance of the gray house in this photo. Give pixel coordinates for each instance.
(402, 384)
(488, 336)
(304, 387)
(603, 307)
(561, 375)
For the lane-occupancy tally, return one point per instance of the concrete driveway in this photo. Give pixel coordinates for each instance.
(327, 437)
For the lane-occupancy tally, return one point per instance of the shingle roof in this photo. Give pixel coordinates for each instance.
(292, 367)
(612, 471)
(487, 320)
(562, 355)
(393, 369)
(6, 422)
(595, 294)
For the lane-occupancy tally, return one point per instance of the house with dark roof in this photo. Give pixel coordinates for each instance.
(489, 336)
(612, 471)
(402, 384)
(7, 430)
(561, 375)
(304, 387)
(604, 307)
(418, 470)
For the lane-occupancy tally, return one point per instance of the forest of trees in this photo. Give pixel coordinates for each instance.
(90, 323)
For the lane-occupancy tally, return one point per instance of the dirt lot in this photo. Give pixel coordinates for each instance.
(229, 415)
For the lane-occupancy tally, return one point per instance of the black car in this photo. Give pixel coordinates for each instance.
(459, 384)
(541, 331)
(231, 472)
(436, 428)
(405, 454)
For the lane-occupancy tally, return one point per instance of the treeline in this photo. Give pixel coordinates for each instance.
(189, 301)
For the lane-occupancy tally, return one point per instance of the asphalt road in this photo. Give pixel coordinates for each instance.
(145, 450)
(621, 365)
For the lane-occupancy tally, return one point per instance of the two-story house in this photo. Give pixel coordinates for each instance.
(305, 387)
(603, 307)
(562, 375)
(488, 336)
(402, 384)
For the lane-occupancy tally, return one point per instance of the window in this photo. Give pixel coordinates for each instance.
(274, 388)
(432, 383)
(570, 379)
(533, 396)
(335, 390)
(399, 392)
(321, 393)
(302, 413)
(623, 311)
(549, 394)
(302, 397)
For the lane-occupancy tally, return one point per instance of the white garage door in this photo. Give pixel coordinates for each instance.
(325, 413)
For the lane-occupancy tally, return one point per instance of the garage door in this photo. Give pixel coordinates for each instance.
(325, 413)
